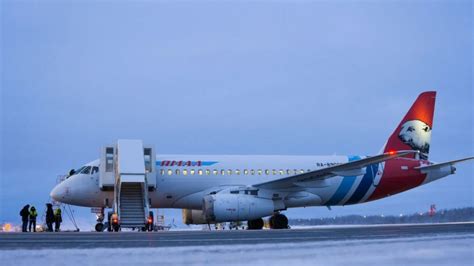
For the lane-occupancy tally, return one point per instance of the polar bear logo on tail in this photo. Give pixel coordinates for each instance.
(417, 135)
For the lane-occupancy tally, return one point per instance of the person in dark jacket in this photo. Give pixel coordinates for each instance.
(58, 219)
(49, 217)
(25, 213)
(33, 215)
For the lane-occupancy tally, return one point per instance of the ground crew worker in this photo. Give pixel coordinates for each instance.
(24, 213)
(33, 215)
(58, 219)
(49, 216)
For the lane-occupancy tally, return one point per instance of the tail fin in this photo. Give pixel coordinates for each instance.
(414, 131)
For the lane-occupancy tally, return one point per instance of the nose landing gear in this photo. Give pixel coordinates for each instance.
(99, 227)
(112, 223)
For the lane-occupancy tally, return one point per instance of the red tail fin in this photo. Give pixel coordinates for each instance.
(414, 131)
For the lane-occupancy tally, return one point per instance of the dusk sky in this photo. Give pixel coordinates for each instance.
(264, 77)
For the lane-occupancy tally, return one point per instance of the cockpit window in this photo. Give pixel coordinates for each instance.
(77, 171)
(95, 169)
(86, 170)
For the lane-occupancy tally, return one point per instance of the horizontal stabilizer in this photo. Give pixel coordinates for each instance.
(427, 168)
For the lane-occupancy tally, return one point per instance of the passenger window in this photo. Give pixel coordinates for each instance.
(288, 171)
(162, 172)
(191, 172)
(229, 172)
(208, 172)
(302, 171)
(185, 172)
(222, 172)
(259, 171)
(252, 172)
(200, 172)
(177, 171)
(274, 172)
(215, 172)
(295, 171)
(267, 172)
(246, 172)
(237, 172)
(170, 172)
(281, 172)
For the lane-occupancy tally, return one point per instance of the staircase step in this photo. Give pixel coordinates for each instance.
(132, 220)
(133, 214)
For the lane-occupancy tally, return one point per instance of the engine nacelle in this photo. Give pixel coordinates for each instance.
(227, 207)
(193, 217)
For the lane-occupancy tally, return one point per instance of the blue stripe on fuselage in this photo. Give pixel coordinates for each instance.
(364, 184)
(344, 187)
(342, 190)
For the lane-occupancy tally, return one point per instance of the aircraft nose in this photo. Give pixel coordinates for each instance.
(58, 192)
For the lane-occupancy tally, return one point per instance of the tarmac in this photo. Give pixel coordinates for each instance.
(88, 240)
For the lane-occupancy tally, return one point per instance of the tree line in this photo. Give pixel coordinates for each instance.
(440, 216)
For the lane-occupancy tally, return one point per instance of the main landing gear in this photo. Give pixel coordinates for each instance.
(278, 221)
(256, 224)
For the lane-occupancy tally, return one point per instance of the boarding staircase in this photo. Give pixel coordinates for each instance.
(132, 205)
(128, 168)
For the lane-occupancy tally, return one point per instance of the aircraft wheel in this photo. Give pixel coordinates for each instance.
(278, 221)
(99, 227)
(256, 224)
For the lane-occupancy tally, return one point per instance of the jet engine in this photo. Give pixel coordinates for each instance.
(226, 207)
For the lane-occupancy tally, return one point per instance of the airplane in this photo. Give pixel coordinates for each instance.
(234, 188)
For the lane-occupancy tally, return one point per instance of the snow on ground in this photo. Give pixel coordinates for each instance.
(439, 250)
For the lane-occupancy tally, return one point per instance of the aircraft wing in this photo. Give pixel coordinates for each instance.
(438, 166)
(351, 168)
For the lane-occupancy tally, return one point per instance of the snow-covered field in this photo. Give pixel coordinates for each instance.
(439, 250)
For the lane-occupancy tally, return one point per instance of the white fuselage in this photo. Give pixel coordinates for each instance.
(183, 180)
